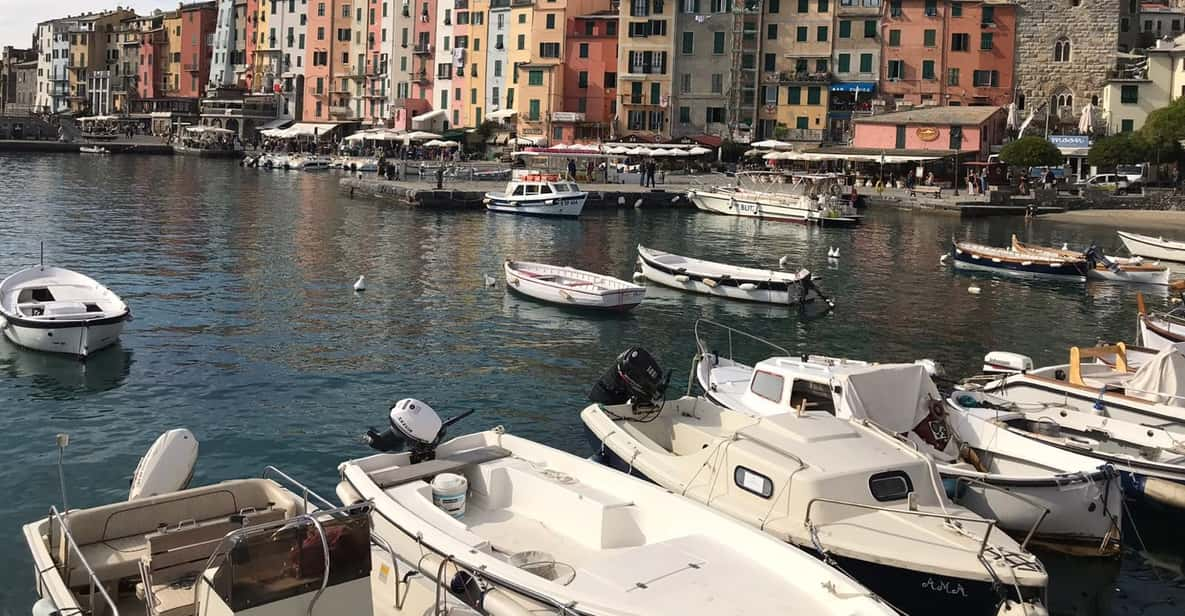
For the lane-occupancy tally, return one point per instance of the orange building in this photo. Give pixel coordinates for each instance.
(197, 28)
(327, 61)
(590, 79)
(948, 52)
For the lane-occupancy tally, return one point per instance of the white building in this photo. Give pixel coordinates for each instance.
(1144, 85)
(293, 19)
(222, 71)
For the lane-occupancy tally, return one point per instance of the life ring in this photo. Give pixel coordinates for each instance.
(835, 189)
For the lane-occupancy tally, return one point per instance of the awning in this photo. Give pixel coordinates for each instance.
(276, 123)
(854, 86)
(428, 117)
(871, 158)
(501, 114)
(1075, 152)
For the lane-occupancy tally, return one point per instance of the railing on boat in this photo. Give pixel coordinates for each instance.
(94, 582)
(732, 330)
(1045, 511)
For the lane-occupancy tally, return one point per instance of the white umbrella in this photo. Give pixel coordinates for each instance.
(449, 144)
(660, 152)
(419, 135)
(752, 153)
(679, 152)
(772, 144)
(560, 146)
(1086, 121)
(435, 143)
(1013, 117)
(639, 151)
(698, 151)
(617, 149)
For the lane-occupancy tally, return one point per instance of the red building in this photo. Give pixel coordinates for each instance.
(590, 77)
(198, 22)
(948, 52)
(154, 60)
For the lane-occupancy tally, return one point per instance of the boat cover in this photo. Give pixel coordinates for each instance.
(893, 396)
(1160, 379)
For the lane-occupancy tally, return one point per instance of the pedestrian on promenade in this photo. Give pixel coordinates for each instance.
(652, 170)
(572, 169)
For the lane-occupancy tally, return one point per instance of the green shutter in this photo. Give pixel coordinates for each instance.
(865, 63)
(845, 28)
(794, 95)
(813, 95)
(928, 37)
(802, 34)
(655, 93)
(821, 36)
(894, 38)
(845, 63)
(802, 122)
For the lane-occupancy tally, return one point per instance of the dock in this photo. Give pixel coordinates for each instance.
(154, 146)
(468, 194)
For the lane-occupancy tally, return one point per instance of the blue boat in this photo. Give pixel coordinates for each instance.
(971, 256)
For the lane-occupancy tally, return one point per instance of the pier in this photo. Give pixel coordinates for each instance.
(468, 194)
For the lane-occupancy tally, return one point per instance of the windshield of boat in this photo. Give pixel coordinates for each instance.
(532, 189)
(545, 189)
(518, 190)
(563, 188)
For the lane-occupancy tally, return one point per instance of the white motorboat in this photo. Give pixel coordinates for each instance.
(209, 142)
(568, 286)
(307, 162)
(1065, 500)
(246, 546)
(807, 199)
(538, 194)
(1100, 266)
(1160, 330)
(1153, 247)
(847, 492)
(723, 280)
(1100, 380)
(541, 525)
(60, 311)
(93, 149)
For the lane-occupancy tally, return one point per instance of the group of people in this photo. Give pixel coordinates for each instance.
(648, 169)
(977, 182)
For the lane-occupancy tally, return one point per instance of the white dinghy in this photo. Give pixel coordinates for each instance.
(1153, 247)
(1160, 330)
(568, 286)
(723, 280)
(546, 527)
(244, 547)
(60, 311)
(847, 492)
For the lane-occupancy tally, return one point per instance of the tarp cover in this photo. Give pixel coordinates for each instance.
(1160, 380)
(893, 396)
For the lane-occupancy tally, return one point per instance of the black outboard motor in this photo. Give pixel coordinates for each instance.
(635, 377)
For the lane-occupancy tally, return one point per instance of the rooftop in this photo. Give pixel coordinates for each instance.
(952, 116)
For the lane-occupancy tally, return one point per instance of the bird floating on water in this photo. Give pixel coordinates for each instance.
(783, 261)
(638, 204)
(973, 289)
(942, 259)
(490, 280)
(360, 284)
(833, 253)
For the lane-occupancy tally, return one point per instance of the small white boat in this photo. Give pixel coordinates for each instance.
(1153, 247)
(733, 282)
(568, 286)
(807, 199)
(1160, 330)
(60, 311)
(1068, 501)
(538, 194)
(93, 149)
(845, 491)
(308, 162)
(1100, 266)
(544, 526)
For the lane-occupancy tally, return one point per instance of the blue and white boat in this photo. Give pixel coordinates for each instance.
(971, 256)
(538, 194)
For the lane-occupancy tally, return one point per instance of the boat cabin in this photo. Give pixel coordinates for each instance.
(535, 184)
(787, 384)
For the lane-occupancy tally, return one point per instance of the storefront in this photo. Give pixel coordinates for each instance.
(1075, 148)
(848, 99)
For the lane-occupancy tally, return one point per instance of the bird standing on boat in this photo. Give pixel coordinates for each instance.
(360, 284)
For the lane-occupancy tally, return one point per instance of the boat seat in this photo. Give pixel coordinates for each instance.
(391, 477)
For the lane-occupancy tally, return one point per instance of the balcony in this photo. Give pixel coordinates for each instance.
(422, 49)
(499, 4)
(340, 112)
(805, 77)
(420, 77)
(192, 68)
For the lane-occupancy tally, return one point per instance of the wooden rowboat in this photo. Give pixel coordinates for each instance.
(971, 256)
(1121, 269)
(568, 286)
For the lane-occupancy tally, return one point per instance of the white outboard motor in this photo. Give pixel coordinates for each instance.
(1003, 362)
(414, 426)
(168, 465)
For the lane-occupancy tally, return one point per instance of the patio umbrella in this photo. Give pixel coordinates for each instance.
(419, 135)
(639, 151)
(1013, 117)
(1086, 120)
(772, 144)
(753, 153)
(449, 144)
(435, 143)
(698, 151)
(617, 149)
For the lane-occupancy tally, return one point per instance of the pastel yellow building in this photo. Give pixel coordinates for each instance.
(645, 67)
(518, 54)
(474, 113)
(172, 23)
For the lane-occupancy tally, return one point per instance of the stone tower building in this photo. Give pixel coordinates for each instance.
(1064, 50)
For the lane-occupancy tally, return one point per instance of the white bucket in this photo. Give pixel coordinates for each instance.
(448, 493)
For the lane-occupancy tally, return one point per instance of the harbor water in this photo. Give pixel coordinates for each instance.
(248, 333)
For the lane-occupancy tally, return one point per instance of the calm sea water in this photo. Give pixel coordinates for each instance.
(246, 330)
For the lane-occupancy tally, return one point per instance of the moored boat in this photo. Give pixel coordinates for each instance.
(730, 281)
(209, 142)
(808, 199)
(60, 311)
(544, 526)
(1153, 247)
(567, 286)
(846, 492)
(93, 149)
(534, 193)
(1103, 267)
(971, 256)
(1159, 330)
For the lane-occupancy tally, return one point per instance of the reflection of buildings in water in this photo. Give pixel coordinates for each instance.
(59, 376)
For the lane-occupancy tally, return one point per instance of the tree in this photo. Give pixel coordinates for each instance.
(1165, 128)
(1031, 152)
(1119, 149)
(781, 131)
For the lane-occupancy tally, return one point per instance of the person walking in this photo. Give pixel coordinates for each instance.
(572, 169)
(652, 170)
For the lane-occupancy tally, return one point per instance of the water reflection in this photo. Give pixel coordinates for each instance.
(60, 377)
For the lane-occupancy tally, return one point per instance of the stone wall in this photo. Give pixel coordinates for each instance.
(1092, 27)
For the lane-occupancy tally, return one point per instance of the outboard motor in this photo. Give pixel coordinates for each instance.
(414, 426)
(635, 377)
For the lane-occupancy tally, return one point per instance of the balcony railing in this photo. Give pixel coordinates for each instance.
(805, 77)
(422, 49)
(192, 68)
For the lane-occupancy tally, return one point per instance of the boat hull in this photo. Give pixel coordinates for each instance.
(80, 340)
(186, 151)
(784, 293)
(1160, 334)
(1157, 277)
(968, 260)
(738, 205)
(1027, 390)
(1153, 247)
(561, 295)
(565, 207)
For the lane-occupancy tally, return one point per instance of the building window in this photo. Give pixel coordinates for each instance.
(895, 8)
(685, 115)
(896, 69)
(1127, 126)
(549, 50)
(985, 41)
(685, 83)
(844, 63)
(952, 77)
(610, 81)
(802, 34)
(845, 28)
(802, 123)
(988, 17)
(582, 79)
(894, 38)
(497, 68)
(956, 9)
(717, 83)
(821, 34)
(824, 6)
(522, 42)
(927, 69)
(636, 93)
(1061, 50)
(813, 95)
(931, 8)
(655, 93)
(771, 32)
(533, 110)
(794, 95)
(718, 43)
(714, 115)
(583, 50)
(870, 28)
(985, 79)
(960, 41)
(1129, 94)
(928, 37)
(773, 6)
(688, 46)
(804, 6)
(534, 78)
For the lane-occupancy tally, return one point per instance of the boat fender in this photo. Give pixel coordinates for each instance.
(45, 607)
(3, 323)
(1005, 362)
(748, 286)
(709, 282)
(1165, 492)
(682, 277)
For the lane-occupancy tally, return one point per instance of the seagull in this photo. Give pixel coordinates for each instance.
(360, 284)
(783, 261)
(637, 204)
(973, 289)
(833, 253)
(490, 280)
(942, 259)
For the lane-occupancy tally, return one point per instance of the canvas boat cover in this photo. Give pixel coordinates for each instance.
(893, 396)
(1160, 380)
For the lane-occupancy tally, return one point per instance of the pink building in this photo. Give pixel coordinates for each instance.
(940, 130)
